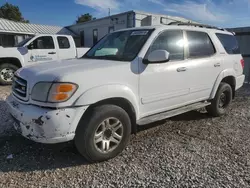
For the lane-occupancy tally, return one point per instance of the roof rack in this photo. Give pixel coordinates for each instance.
(196, 25)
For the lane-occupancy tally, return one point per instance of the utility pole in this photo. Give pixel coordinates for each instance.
(109, 11)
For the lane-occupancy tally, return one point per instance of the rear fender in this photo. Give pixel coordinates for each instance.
(222, 75)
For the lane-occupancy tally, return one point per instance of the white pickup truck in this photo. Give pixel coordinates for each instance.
(36, 49)
(131, 77)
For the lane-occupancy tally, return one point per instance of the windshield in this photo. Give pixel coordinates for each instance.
(20, 44)
(120, 46)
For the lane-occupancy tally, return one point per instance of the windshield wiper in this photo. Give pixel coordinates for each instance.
(106, 57)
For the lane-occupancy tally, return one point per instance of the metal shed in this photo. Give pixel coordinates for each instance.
(243, 37)
(12, 32)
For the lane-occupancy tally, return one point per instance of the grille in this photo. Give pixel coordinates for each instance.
(19, 87)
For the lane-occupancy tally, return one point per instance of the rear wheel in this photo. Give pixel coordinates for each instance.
(7, 71)
(104, 134)
(222, 100)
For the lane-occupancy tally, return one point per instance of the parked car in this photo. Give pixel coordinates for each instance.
(130, 78)
(36, 49)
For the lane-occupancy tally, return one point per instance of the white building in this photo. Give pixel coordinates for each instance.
(92, 31)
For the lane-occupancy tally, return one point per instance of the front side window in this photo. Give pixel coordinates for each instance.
(200, 45)
(43, 43)
(229, 42)
(171, 41)
(63, 42)
(121, 46)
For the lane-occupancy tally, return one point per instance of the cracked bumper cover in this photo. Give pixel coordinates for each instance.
(45, 125)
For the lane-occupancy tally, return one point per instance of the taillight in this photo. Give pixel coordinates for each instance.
(242, 63)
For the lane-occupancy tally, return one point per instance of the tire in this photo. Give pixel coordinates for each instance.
(6, 78)
(218, 108)
(91, 127)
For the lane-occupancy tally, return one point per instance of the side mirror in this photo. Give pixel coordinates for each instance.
(30, 46)
(157, 56)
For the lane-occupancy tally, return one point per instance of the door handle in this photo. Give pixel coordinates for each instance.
(217, 65)
(52, 53)
(181, 69)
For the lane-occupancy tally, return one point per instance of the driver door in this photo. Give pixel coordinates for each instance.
(164, 86)
(42, 49)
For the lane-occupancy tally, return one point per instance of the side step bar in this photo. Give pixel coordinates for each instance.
(171, 113)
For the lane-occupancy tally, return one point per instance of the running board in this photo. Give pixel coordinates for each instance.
(171, 113)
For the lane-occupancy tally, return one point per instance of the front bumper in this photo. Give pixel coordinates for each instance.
(45, 125)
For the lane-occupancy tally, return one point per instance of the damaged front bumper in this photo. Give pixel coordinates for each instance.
(45, 125)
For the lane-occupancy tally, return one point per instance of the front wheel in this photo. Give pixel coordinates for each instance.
(104, 134)
(7, 71)
(222, 100)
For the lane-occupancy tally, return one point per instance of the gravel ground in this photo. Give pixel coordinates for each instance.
(191, 150)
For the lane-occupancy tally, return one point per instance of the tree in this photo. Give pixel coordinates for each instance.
(11, 12)
(85, 18)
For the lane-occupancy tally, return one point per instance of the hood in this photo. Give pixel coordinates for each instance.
(12, 51)
(64, 70)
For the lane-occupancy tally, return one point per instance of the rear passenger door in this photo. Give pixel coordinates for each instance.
(66, 48)
(203, 66)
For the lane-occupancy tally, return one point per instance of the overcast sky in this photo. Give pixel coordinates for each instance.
(224, 13)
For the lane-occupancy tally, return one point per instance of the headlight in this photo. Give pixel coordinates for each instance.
(53, 92)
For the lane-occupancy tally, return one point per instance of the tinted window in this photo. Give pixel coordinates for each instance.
(43, 43)
(200, 45)
(95, 36)
(63, 42)
(171, 41)
(82, 38)
(229, 42)
(111, 29)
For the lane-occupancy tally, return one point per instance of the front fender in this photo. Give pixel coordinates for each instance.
(12, 53)
(100, 93)
(222, 75)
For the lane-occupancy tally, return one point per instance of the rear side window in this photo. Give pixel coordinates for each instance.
(63, 42)
(171, 41)
(229, 42)
(200, 45)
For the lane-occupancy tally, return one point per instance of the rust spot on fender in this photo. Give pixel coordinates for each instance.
(39, 121)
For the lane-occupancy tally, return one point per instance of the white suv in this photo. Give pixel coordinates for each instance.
(129, 78)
